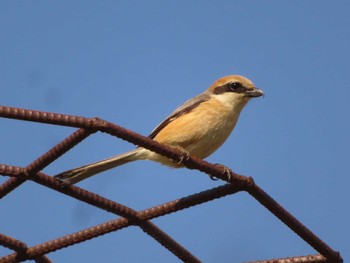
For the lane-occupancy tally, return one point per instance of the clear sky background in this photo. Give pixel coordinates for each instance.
(132, 63)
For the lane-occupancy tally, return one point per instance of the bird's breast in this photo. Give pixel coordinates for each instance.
(201, 131)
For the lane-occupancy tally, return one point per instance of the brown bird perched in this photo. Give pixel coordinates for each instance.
(198, 127)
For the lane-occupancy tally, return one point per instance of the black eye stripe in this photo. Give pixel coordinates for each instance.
(230, 87)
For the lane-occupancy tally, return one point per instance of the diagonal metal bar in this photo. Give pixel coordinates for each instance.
(45, 160)
(168, 242)
(69, 240)
(58, 150)
(12, 243)
(10, 185)
(288, 219)
(71, 190)
(301, 259)
(20, 247)
(188, 201)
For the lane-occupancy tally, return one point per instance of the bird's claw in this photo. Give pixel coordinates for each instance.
(185, 155)
(212, 177)
(227, 172)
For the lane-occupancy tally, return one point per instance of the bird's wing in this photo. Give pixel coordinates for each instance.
(185, 108)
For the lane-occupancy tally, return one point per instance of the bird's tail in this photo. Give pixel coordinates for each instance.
(80, 173)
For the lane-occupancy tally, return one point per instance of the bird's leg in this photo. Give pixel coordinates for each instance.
(185, 155)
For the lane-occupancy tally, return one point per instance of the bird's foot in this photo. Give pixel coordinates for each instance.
(185, 155)
(226, 172)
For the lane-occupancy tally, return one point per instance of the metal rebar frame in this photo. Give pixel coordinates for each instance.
(127, 215)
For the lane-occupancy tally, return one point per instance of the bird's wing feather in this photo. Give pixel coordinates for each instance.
(185, 108)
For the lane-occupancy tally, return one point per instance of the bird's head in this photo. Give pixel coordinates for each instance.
(234, 90)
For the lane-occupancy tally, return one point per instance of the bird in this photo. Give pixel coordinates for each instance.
(198, 127)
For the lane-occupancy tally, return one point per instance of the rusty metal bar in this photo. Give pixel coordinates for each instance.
(10, 185)
(301, 259)
(45, 160)
(68, 240)
(71, 190)
(12, 243)
(188, 201)
(58, 150)
(44, 117)
(20, 248)
(166, 241)
(288, 219)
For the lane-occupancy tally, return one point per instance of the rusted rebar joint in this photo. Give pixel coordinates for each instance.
(97, 124)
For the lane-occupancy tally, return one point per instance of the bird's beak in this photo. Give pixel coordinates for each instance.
(254, 93)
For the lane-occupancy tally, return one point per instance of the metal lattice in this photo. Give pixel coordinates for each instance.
(129, 216)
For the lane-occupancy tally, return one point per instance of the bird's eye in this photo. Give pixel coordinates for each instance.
(235, 86)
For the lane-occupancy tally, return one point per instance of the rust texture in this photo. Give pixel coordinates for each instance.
(20, 247)
(302, 259)
(127, 215)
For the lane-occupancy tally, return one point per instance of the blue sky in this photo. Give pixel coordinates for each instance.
(132, 63)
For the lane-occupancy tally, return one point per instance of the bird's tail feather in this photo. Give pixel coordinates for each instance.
(80, 173)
